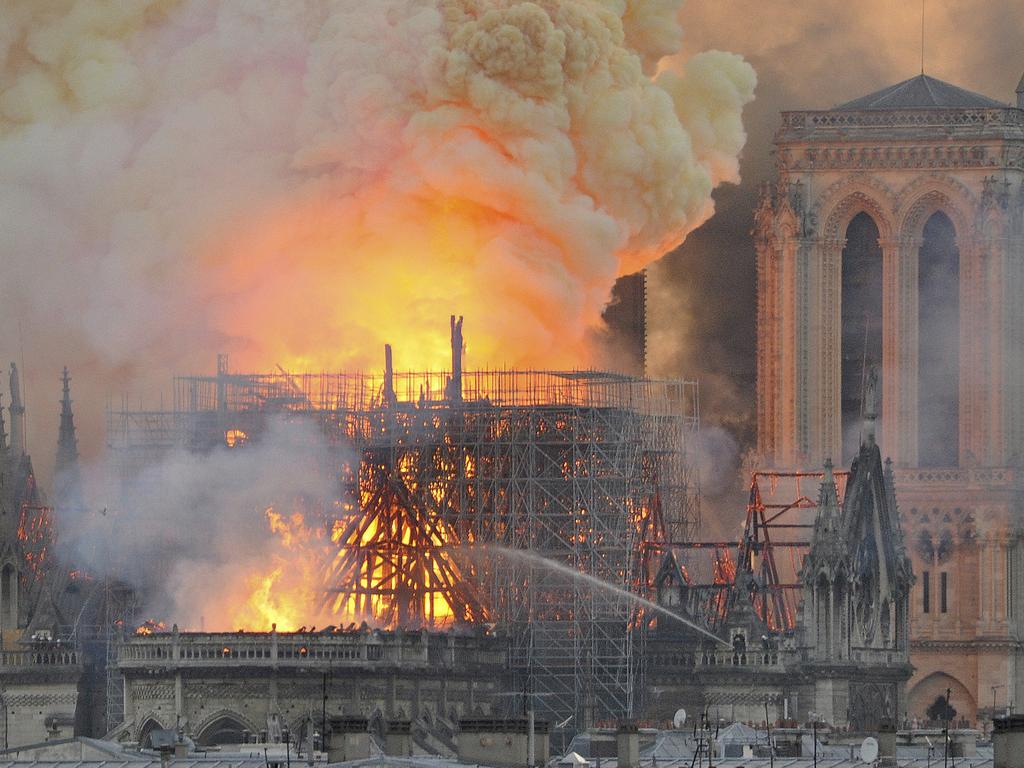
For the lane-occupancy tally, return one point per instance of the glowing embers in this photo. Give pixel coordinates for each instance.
(150, 627)
(235, 438)
(395, 563)
(723, 574)
(35, 534)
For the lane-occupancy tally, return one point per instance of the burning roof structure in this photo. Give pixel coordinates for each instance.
(443, 479)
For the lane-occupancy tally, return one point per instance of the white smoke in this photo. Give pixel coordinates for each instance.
(298, 181)
(191, 532)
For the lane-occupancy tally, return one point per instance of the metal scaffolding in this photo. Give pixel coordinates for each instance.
(762, 568)
(581, 469)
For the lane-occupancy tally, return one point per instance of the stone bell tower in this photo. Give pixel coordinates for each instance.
(894, 237)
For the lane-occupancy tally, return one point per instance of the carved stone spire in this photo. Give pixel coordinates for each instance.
(17, 411)
(1020, 93)
(67, 442)
(67, 475)
(828, 503)
(870, 406)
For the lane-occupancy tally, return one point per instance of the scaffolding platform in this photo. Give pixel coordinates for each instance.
(584, 469)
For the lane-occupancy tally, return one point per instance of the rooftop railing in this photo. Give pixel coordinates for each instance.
(903, 118)
(307, 650)
(38, 658)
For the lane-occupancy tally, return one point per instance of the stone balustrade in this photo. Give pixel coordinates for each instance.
(912, 118)
(730, 658)
(723, 658)
(31, 658)
(307, 650)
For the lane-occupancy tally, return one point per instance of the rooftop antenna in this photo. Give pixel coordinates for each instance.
(922, 36)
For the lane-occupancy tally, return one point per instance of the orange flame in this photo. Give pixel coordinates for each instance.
(151, 626)
(288, 590)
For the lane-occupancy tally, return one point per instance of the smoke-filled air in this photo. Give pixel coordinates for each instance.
(299, 182)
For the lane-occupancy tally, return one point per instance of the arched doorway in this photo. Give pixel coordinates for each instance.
(923, 698)
(146, 732)
(938, 360)
(861, 307)
(224, 730)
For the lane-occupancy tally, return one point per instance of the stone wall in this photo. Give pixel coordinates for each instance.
(38, 695)
(241, 681)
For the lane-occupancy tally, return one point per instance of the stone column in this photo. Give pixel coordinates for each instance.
(788, 406)
(825, 351)
(767, 348)
(891, 437)
(129, 700)
(999, 582)
(995, 381)
(831, 635)
(974, 354)
(179, 696)
(984, 617)
(627, 744)
(904, 355)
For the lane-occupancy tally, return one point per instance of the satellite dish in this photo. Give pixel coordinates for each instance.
(679, 719)
(869, 750)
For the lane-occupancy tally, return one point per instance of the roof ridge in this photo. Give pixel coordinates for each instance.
(928, 87)
(922, 92)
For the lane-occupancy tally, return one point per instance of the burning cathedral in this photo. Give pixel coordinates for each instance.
(496, 542)
(507, 541)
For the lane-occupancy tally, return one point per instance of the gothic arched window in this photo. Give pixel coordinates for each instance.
(861, 308)
(938, 361)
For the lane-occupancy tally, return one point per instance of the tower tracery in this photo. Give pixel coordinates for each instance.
(939, 171)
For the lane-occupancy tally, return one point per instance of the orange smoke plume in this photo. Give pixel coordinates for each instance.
(296, 183)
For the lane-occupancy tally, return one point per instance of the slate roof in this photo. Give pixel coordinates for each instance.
(923, 92)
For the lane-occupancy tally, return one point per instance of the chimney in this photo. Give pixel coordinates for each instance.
(627, 742)
(887, 744)
(503, 743)
(398, 739)
(1007, 741)
(964, 742)
(349, 739)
